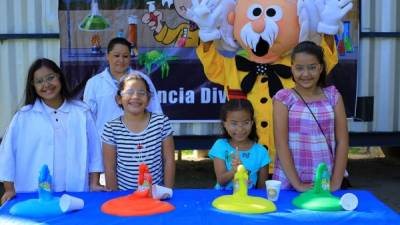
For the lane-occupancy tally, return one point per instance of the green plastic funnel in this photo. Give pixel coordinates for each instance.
(319, 198)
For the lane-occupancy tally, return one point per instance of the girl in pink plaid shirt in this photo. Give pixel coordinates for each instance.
(309, 124)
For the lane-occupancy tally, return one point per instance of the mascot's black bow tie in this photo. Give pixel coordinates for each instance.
(270, 71)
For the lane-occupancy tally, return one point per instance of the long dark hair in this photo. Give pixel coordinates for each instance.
(238, 105)
(311, 48)
(30, 92)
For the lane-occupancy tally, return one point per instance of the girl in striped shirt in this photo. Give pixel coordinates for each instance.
(136, 137)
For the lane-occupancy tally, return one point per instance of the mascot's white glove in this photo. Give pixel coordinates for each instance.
(331, 14)
(308, 14)
(205, 15)
(227, 41)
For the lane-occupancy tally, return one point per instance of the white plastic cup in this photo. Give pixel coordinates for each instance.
(273, 188)
(70, 203)
(160, 192)
(349, 201)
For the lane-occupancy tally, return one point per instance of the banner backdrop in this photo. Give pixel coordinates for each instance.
(164, 48)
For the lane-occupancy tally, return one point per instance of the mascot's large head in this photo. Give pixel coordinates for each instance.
(267, 29)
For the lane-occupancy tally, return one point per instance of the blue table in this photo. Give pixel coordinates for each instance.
(193, 206)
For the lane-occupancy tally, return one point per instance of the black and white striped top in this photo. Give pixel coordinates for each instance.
(135, 148)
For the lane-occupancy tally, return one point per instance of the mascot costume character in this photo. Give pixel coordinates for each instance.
(267, 30)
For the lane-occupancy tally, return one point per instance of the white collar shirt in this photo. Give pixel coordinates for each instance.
(58, 118)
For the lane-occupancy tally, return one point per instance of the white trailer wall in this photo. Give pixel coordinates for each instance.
(22, 17)
(379, 64)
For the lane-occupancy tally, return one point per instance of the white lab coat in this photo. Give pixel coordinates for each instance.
(100, 94)
(29, 143)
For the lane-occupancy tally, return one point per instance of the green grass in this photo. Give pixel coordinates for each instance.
(356, 150)
(187, 152)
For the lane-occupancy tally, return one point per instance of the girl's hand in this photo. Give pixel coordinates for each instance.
(98, 187)
(112, 188)
(302, 187)
(235, 163)
(334, 186)
(7, 196)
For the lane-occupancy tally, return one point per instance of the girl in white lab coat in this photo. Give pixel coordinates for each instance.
(50, 129)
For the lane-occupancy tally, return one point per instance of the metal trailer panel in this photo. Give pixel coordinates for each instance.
(23, 17)
(379, 64)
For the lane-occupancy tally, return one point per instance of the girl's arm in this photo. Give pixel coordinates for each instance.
(168, 148)
(262, 177)
(9, 191)
(342, 145)
(95, 162)
(280, 120)
(223, 176)
(110, 163)
(8, 152)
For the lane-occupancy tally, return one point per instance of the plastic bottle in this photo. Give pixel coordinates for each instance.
(132, 33)
(347, 37)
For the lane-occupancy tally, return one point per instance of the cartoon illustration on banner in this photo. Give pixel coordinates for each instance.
(185, 34)
(164, 39)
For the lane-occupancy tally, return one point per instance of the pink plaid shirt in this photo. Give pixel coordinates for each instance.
(306, 142)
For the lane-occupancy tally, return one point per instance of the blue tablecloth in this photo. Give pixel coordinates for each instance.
(193, 206)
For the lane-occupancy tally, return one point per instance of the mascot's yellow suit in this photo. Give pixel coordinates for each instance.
(266, 80)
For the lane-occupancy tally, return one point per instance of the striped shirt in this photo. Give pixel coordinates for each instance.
(134, 148)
